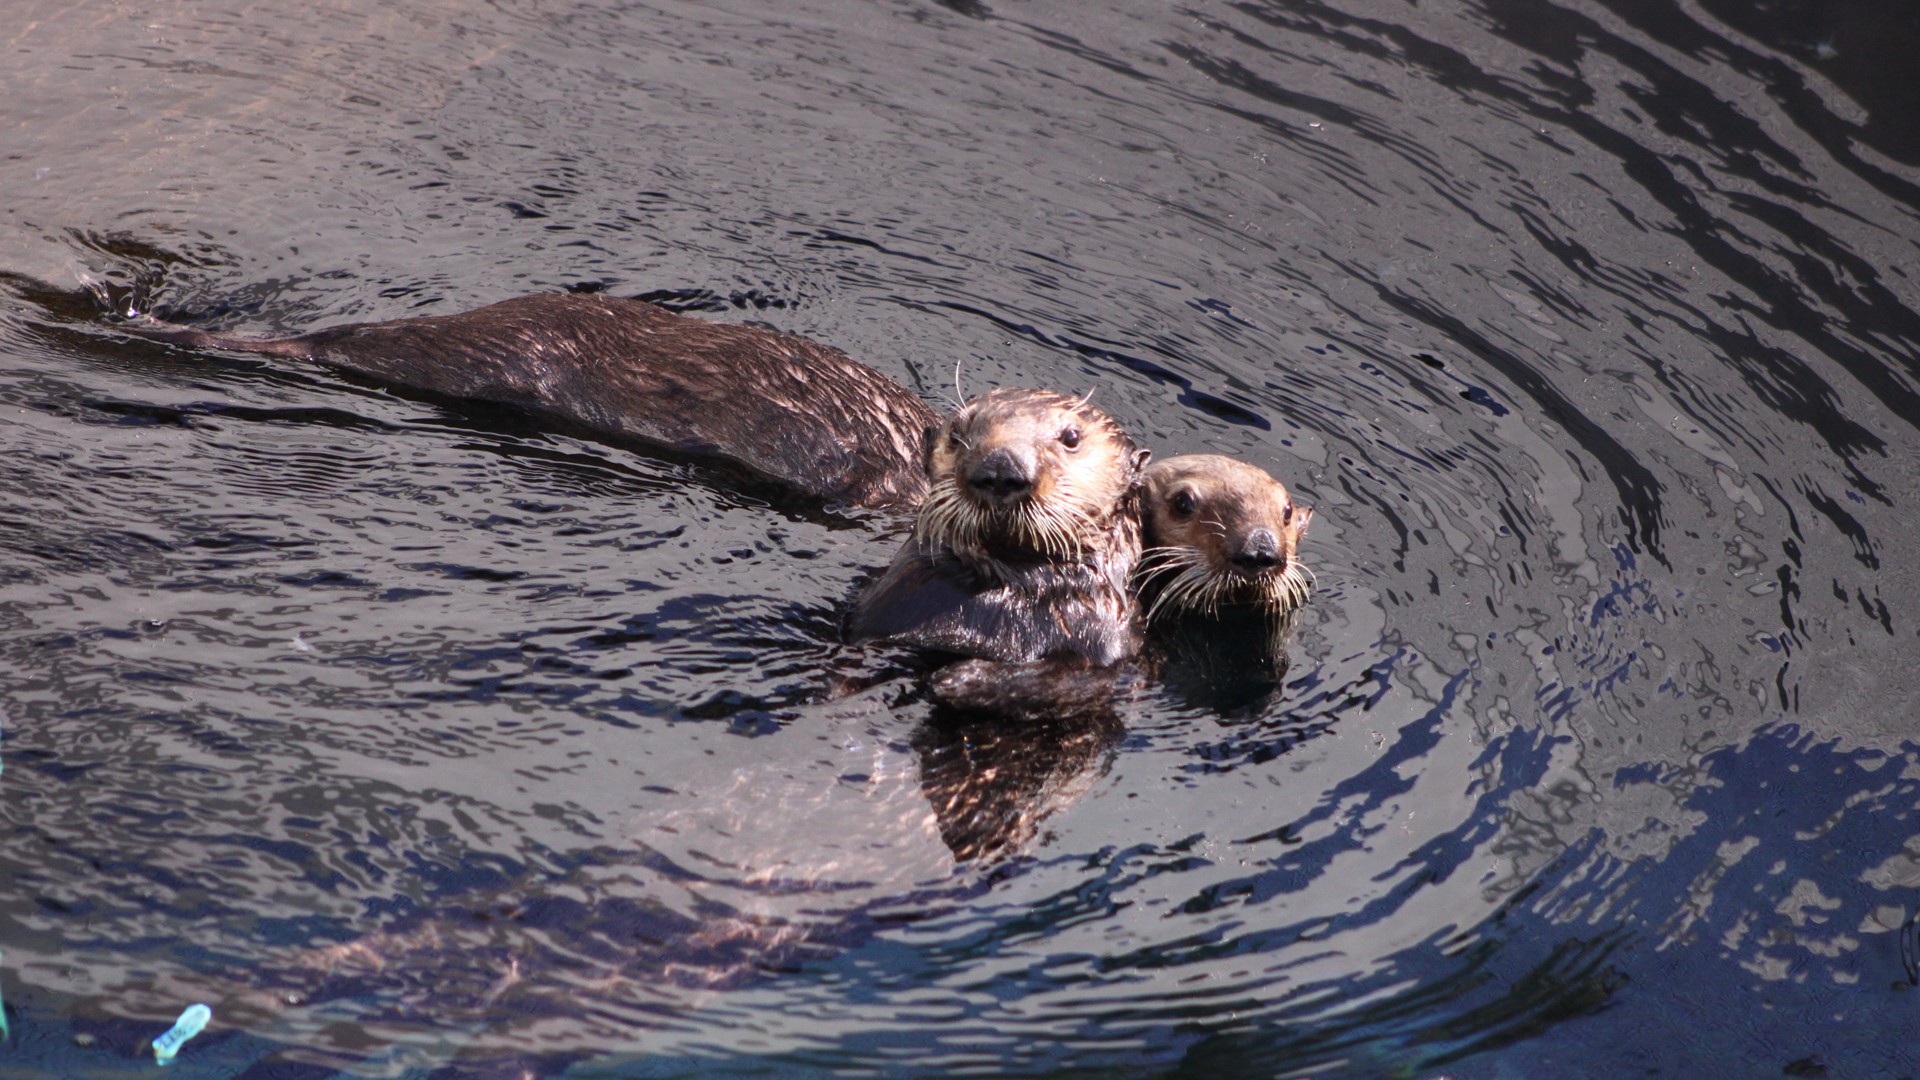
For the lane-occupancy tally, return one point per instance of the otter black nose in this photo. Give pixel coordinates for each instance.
(1001, 477)
(1258, 552)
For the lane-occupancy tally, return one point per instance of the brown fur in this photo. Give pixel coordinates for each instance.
(1028, 528)
(785, 407)
(1037, 573)
(1204, 518)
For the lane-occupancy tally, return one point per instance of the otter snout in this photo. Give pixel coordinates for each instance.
(1003, 477)
(1258, 553)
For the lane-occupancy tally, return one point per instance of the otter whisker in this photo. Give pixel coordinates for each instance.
(1157, 561)
(1032, 529)
(1190, 577)
(1074, 523)
(1206, 593)
(949, 513)
(1178, 551)
(1160, 599)
(1289, 589)
(1154, 559)
(1216, 590)
(1060, 533)
(1056, 525)
(1186, 581)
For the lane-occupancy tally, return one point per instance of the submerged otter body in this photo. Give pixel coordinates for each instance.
(788, 408)
(1025, 545)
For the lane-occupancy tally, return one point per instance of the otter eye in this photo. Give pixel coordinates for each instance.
(1070, 437)
(1182, 503)
(1286, 516)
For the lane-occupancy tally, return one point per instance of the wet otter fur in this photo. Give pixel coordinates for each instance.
(1221, 534)
(791, 409)
(1221, 579)
(1221, 585)
(1026, 542)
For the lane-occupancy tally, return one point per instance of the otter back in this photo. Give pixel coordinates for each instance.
(797, 411)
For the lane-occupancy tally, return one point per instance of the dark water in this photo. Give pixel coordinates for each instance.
(1591, 331)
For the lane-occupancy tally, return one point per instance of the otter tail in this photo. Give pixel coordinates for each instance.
(151, 329)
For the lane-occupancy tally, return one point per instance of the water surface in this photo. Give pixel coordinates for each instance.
(421, 740)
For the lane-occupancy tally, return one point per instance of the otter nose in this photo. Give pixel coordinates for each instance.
(1258, 553)
(1002, 477)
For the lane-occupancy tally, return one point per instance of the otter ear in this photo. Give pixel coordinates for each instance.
(1301, 515)
(1140, 459)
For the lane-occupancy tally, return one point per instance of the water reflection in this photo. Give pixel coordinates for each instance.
(993, 781)
(1586, 328)
(739, 878)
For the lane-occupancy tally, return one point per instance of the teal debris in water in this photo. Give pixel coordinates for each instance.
(189, 1025)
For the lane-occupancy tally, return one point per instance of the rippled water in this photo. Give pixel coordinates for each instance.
(417, 739)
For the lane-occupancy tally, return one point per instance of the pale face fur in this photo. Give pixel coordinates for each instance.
(1028, 473)
(1220, 532)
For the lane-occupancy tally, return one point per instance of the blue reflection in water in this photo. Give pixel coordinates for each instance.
(1588, 330)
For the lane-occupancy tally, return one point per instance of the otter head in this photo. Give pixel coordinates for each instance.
(1026, 474)
(1220, 533)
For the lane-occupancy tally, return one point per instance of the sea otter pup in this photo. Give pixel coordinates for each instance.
(1027, 539)
(1221, 578)
(788, 408)
(1221, 534)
